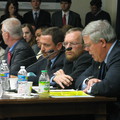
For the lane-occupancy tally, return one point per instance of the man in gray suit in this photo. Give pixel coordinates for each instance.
(65, 16)
(18, 53)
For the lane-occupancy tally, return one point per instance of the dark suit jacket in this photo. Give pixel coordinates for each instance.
(22, 55)
(110, 85)
(73, 20)
(101, 16)
(5, 16)
(41, 64)
(76, 68)
(44, 18)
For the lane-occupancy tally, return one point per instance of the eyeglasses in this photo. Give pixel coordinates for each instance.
(72, 44)
(86, 45)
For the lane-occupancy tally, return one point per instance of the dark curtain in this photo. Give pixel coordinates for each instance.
(118, 20)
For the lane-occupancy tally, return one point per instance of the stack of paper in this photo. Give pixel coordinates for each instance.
(68, 93)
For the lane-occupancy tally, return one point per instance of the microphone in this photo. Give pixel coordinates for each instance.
(68, 49)
(50, 51)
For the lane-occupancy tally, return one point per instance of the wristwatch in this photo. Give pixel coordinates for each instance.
(87, 79)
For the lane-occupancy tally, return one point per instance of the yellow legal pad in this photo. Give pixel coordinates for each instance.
(68, 94)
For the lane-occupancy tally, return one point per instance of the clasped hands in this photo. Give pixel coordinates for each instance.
(62, 79)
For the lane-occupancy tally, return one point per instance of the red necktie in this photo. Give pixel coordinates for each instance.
(64, 19)
(9, 57)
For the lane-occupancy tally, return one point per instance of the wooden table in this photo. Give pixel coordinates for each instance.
(11, 107)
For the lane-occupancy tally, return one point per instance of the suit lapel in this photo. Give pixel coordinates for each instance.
(60, 19)
(32, 17)
(70, 18)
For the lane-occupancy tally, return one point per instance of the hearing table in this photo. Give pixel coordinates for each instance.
(11, 107)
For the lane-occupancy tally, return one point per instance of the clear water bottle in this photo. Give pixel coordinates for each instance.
(1, 65)
(4, 75)
(22, 80)
(44, 84)
(1, 75)
(1, 88)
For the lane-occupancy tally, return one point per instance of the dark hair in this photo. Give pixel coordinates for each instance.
(39, 0)
(65, 28)
(15, 4)
(69, 1)
(56, 33)
(33, 40)
(97, 3)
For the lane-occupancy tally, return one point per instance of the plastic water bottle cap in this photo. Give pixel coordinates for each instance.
(43, 70)
(22, 67)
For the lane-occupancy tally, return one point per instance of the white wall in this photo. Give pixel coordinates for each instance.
(83, 6)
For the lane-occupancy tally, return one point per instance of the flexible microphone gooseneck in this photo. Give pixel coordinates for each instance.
(51, 53)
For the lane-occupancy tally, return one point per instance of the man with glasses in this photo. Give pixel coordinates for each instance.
(77, 60)
(102, 78)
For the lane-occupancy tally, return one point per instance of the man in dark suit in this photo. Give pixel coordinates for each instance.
(77, 60)
(51, 40)
(18, 53)
(96, 12)
(66, 16)
(37, 17)
(103, 77)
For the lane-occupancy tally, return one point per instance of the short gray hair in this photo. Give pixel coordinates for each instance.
(100, 29)
(13, 26)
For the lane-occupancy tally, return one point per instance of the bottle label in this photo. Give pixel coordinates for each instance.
(4, 75)
(22, 78)
(44, 86)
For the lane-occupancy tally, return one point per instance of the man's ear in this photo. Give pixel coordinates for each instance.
(103, 42)
(59, 45)
(7, 35)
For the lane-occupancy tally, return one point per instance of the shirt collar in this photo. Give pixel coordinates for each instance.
(52, 60)
(67, 13)
(36, 11)
(109, 51)
(11, 49)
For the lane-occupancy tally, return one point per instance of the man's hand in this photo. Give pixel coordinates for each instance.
(90, 83)
(59, 72)
(62, 79)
